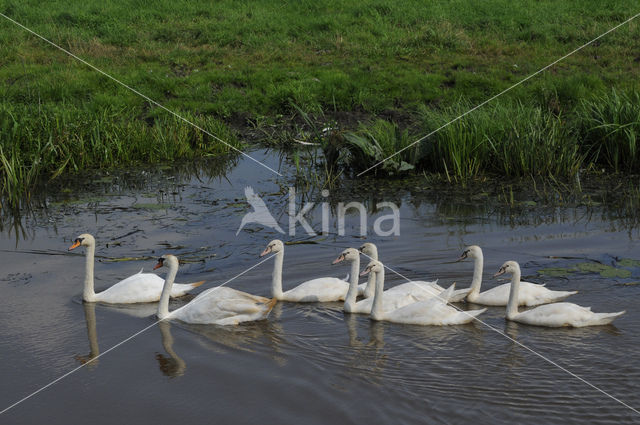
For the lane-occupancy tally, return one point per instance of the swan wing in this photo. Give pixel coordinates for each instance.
(223, 306)
(564, 314)
(322, 289)
(138, 288)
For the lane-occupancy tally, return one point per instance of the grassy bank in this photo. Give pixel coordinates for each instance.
(250, 68)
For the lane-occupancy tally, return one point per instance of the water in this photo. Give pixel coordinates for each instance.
(309, 363)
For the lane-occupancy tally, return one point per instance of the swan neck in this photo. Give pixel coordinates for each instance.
(512, 305)
(163, 305)
(352, 293)
(370, 289)
(276, 277)
(89, 293)
(478, 266)
(376, 308)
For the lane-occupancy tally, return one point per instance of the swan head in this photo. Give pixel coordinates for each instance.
(349, 254)
(472, 251)
(373, 267)
(274, 246)
(84, 239)
(510, 267)
(166, 259)
(369, 249)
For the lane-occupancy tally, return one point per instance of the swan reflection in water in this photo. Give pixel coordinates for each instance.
(92, 333)
(172, 366)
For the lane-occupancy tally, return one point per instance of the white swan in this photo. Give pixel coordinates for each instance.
(218, 306)
(418, 288)
(393, 300)
(365, 289)
(530, 294)
(550, 315)
(138, 288)
(323, 289)
(433, 311)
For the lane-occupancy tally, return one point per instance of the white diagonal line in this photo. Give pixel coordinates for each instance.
(517, 342)
(144, 96)
(499, 94)
(195, 301)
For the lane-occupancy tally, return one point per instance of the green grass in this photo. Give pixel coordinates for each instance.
(234, 66)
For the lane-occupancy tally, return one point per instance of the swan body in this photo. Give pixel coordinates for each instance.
(138, 288)
(530, 294)
(218, 306)
(419, 289)
(323, 289)
(433, 311)
(550, 315)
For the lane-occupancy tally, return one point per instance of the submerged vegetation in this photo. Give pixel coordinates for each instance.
(362, 80)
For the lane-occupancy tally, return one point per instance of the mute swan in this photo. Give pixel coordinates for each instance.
(218, 306)
(433, 311)
(138, 288)
(530, 294)
(418, 288)
(323, 289)
(550, 315)
(393, 300)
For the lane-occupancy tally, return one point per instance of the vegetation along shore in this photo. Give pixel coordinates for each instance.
(360, 79)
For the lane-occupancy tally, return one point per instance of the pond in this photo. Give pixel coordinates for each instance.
(308, 363)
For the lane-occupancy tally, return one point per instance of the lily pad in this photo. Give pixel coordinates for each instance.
(603, 270)
(557, 271)
(628, 262)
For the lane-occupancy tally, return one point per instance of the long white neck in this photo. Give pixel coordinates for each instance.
(478, 266)
(376, 308)
(163, 305)
(352, 293)
(89, 293)
(276, 277)
(371, 279)
(512, 305)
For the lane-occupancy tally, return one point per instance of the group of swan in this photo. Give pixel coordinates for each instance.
(414, 302)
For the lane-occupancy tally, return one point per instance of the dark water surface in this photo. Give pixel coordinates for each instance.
(309, 363)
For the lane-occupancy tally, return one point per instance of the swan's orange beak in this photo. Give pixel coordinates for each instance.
(339, 259)
(158, 265)
(75, 245)
(266, 251)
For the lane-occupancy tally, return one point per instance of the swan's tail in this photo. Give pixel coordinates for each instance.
(196, 284)
(269, 306)
(462, 317)
(606, 318)
(561, 295)
(459, 295)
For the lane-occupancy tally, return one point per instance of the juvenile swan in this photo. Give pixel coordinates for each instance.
(530, 294)
(218, 306)
(433, 311)
(550, 315)
(139, 288)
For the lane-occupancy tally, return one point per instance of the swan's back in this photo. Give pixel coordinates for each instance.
(323, 289)
(224, 306)
(564, 314)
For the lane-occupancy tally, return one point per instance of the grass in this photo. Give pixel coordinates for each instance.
(247, 69)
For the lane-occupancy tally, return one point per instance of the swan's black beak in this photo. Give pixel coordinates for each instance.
(339, 259)
(76, 244)
(463, 256)
(159, 264)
